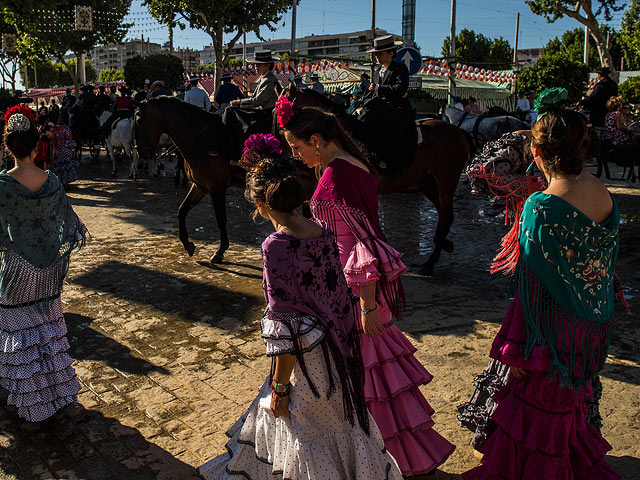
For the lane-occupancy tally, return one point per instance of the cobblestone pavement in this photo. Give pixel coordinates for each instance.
(168, 349)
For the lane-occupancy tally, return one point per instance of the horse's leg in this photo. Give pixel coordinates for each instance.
(112, 154)
(194, 195)
(430, 191)
(130, 152)
(220, 209)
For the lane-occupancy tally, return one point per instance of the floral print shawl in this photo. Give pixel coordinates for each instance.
(565, 275)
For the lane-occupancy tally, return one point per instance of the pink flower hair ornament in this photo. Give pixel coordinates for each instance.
(257, 146)
(284, 110)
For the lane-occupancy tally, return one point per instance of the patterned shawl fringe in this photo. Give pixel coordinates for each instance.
(391, 292)
(22, 284)
(553, 327)
(350, 368)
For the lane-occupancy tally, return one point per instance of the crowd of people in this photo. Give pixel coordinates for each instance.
(342, 399)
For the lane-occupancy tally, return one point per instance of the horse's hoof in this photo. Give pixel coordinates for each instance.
(426, 270)
(190, 248)
(217, 258)
(447, 245)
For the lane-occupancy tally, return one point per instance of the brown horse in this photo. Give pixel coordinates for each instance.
(201, 139)
(435, 170)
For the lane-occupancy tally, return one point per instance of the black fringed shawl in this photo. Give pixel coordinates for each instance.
(303, 279)
(38, 232)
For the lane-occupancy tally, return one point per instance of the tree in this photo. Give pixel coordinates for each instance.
(630, 89)
(111, 75)
(479, 51)
(54, 34)
(582, 11)
(47, 72)
(163, 67)
(220, 17)
(630, 35)
(571, 43)
(556, 70)
(8, 61)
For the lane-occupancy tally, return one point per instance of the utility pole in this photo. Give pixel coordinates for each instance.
(35, 75)
(586, 45)
(292, 53)
(408, 23)
(373, 35)
(244, 49)
(452, 52)
(514, 66)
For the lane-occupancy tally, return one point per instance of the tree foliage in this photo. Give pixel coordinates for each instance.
(630, 89)
(630, 36)
(154, 67)
(53, 74)
(46, 27)
(479, 51)
(556, 70)
(111, 75)
(220, 17)
(582, 11)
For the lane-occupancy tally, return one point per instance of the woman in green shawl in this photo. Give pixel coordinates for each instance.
(38, 231)
(556, 333)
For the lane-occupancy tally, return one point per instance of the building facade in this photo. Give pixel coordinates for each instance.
(347, 45)
(116, 56)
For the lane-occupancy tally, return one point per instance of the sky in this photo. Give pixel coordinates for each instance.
(493, 18)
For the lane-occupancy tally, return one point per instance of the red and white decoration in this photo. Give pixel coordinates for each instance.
(441, 67)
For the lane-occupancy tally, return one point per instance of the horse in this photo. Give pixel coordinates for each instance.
(201, 138)
(435, 171)
(483, 128)
(121, 136)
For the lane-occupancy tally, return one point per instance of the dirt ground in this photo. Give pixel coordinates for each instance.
(169, 353)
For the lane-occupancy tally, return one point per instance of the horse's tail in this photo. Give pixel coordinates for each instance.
(472, 145)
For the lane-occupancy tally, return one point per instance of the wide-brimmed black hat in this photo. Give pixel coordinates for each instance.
(384, 43)
(226, 76)
(297, 78)
(604, 71)
(262, 56)
(314, 75)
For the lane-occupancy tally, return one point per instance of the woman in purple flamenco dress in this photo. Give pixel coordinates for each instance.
(346, 198)
(556, 334)
(309, 420)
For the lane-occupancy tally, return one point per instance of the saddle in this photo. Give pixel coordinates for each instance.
(117, 120)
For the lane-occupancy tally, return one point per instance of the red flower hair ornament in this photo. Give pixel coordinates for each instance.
(284, 110)
(21, 109)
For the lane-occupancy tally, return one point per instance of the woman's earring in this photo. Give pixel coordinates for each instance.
(317, 150)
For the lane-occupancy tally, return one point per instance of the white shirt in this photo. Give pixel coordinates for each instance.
(523, 105)
(198, 97)
(459, 106)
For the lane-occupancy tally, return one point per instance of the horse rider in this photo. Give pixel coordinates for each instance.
(197, 96)
(316, 85)
(601, 93)
(158, 88)
(69, 99)
(227, 93)
(298, 81)
(141, 96)
(389, 113)
(246, 116)
(87, 98)
(123, 107)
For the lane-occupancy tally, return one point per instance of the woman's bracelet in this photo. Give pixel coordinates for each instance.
(280, 389)
(365, 311)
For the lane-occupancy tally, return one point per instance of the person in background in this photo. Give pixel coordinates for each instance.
(180, 91)
(617, 123)
(44, 149)
(69, 99)
(65, 164)
(596, 102)
(523, 107)
(38, 233)
(316, 85)
(43, 114)
(54, 111)
(298, 81)
(227, 92)
(197, 96)
(141, 96)
(103, 103)
(122, 107)
(158, 88)
(457, 103)
(472, 107)
(113, 90)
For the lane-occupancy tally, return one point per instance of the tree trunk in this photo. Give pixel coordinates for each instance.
(218, 48)
(605, 55)
(75, 79)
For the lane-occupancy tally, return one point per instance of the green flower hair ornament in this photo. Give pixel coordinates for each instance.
(549, 99)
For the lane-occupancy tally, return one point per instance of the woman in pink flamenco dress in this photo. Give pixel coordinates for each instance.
(556, 334)
(346, 198)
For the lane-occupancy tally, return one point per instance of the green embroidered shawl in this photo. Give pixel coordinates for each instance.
(565, 278)
(38, 232)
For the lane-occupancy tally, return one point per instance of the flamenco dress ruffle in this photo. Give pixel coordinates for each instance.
(315, 442)
(541, 429)
(35, 367)
(393, 374)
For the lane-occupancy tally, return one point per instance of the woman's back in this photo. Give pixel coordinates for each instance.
(586, 194)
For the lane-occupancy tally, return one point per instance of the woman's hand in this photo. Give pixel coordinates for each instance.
(371, 323)
(518, 373)
(372, 87)
(280, 405)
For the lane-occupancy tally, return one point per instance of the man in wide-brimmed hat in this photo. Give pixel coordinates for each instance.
(316, 85)
(252, 115)
(388, 116)
(159, 88)
(227, 93)
(197, 96)
(601, 93)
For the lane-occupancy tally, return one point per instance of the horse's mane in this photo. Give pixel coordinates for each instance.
(190, 109)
